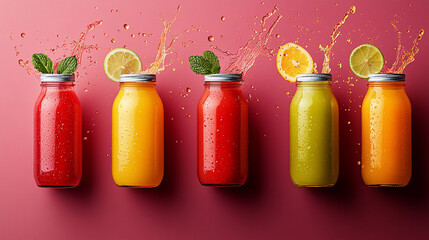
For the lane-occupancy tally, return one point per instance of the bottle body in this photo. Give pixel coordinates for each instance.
(222, 130)
(57, 136)
(138, 136)
(386, 135)
(314, 135)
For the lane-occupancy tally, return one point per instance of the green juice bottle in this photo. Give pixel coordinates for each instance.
(314, 150)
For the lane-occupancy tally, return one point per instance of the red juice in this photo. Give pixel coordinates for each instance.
(57, 133)
(222, 132)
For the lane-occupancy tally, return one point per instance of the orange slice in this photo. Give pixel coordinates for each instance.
(293, 60)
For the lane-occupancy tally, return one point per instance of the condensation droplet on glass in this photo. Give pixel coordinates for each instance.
(211, 38)
(21, 62)
(23, 35)
(126, 26)
(188, 90)
(113, 40)
(222, 18)
(85, 90)
(132, 35)
(85, 138)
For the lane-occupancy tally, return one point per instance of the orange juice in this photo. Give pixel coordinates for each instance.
(137, 133)
(386, 132)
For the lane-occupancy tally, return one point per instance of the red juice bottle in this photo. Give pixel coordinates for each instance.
(222, 132)
(57, 133)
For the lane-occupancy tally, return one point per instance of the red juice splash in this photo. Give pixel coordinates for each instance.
(327, 50)
(403, 57)
(78, 47)
(246, 55)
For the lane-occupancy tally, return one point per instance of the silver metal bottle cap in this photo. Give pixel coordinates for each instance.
(223, 77)
(388, 77)
(137, 78)
(312, 77)
(57, 78)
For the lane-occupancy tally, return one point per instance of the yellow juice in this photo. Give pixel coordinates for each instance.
(138, 134)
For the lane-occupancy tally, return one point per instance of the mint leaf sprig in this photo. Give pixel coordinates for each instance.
(206, 64)
(44, 64)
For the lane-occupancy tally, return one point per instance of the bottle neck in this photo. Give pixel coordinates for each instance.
(223, 85)
(387, 84)
(314, 84)
(137, 84)
(58, 85)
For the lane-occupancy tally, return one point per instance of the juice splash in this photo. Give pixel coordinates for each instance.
(163, 48)
(246, 55)
(327, 50)
(403, 57)
(68, 48)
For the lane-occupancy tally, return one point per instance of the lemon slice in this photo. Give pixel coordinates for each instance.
(293, 60)
(121, 61)
(365, 60)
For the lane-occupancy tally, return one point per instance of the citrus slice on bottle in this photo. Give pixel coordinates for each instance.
(293, 60)
(365, 60)
(121, 61)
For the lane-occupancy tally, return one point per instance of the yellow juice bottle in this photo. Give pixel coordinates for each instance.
(137, 133)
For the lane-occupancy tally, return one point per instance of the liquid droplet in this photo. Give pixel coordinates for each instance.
(211, 38)
(126, 26)
(421, 34)
(85, 90)
(113, 40)
(21, 62)
(23, 35)
(222, 18)
(340, 65)
(359, 163)
(132, 35)
(188, 90)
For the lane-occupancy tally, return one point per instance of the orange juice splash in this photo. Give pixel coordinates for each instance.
(78, 47)
(327, 50)
(163, 48)
(246, 55)
(403, 57)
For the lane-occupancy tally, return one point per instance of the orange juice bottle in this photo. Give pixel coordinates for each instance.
(386, 132)
(137, 133)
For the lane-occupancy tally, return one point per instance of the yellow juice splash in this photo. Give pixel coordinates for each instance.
(164, 47)
(327, 50)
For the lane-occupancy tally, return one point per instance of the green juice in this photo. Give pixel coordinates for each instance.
(314, 154)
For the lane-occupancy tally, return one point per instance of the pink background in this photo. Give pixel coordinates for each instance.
(268, 206)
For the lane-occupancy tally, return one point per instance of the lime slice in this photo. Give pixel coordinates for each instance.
(365, 60)
(121, 61)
